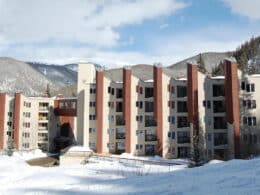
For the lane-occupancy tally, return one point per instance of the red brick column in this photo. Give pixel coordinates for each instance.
(2, 119)
(127, 73)
(157, 74)
(99, 109)
(232, 102)
(17, 107)
(193, 112)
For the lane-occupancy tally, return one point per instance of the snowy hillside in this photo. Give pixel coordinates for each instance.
(123, 177)
(211, 60)
(60, 74)
(18, 76)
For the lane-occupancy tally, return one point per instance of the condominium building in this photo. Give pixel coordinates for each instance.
(151, 110)
(28, 123)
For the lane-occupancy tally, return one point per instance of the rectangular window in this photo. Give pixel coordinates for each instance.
(148, 106)
(150, 121)
(243, 85)
(183, 137)
(181, 91)
(182, 106)
(119, 107)
(220, 139)
(218, 90)
(219, 106)
(120, 121)
(182, 121)
(220, 123)
(119, 93)
(148, 92)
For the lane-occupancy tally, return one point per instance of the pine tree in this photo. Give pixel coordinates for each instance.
(201, 64)
(48, 91)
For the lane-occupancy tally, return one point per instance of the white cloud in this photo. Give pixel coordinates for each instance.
(78, 21)
(248, 8)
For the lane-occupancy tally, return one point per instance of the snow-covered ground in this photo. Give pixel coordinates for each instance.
(129, 177)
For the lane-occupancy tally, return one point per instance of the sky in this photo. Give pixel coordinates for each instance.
(123, 32)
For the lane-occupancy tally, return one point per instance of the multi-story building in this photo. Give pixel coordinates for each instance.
(141, 110)
(148, 110)
(28, 123)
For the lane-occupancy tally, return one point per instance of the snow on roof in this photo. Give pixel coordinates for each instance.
(218, 77)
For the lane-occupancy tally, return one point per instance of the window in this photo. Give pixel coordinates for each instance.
(150, 121)
(250, 87)
(183, 152)
(182, 106)
(219, 106)
(243, 85)
(119, 107)
(148, 92)
(92, 90)
(10, 114)
(250, 121)
(218, 90)
(139, 147)
(181, 91)
(171, 134)
(92, 117)
(208, 104)
(220, 123)
(148, 106)
(120, 121)
(150, 135)
(139, 118)
(112, 91)
(111, 104)
(250, 104)
(9, 123)
(92, 104)
(119, 93)
(139, 132)
(183, 137)
(92, 130)
(139, 104)
(109, 90)
(120, 133)
(171, 119)
(220, 139)
(182, 121)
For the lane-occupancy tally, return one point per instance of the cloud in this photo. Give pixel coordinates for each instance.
(79, 21)
(248, 8)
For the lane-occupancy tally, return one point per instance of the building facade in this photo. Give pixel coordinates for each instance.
(28, 123)
(150, 110)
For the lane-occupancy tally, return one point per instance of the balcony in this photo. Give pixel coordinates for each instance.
(220, 123)
(219, 106)
(150, 121)
(220, 139)
(149, 107)
(150, 135)
(183, 137)
(149, 150)
(181, 91)
(182, 122)
(120, 133)
(218, 91)
(182, 106)
(120, 121)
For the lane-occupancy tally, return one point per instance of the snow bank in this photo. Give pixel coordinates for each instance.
(79, 149)
(115, 177)
(27, 155)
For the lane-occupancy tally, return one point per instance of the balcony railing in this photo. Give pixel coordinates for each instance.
(150, 137)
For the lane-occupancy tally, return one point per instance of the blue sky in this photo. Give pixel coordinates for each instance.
(121, 32)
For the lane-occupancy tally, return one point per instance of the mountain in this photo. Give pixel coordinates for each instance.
(59, 74)
(210, 60)
(16, 76)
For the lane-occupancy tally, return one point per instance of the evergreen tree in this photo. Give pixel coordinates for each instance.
(201, 64)
(48, 91)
